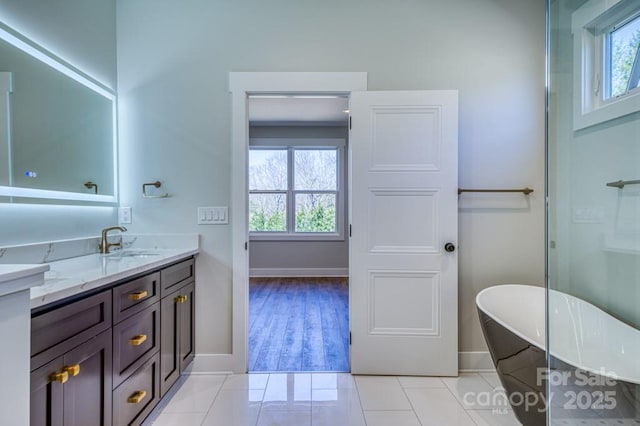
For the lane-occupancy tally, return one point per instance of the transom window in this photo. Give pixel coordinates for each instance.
(294, 191)
(606, 61)
(622, 66)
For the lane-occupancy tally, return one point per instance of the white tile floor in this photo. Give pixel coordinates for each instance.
(332, 399)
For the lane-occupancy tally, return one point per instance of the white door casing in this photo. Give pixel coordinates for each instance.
(403, 210)
(241, 84)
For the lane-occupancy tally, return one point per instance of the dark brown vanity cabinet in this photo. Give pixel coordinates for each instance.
(177, 347)
(104, 359)
(136, 375)
(134, 399)
(71, 377)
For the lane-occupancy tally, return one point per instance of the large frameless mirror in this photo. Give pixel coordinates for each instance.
(57, 129)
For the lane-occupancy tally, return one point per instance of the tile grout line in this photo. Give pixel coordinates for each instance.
(413, 409)
(355, 383)
(262, 400)
(214, 399)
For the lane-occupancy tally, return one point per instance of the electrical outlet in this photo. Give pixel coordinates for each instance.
(124, 215)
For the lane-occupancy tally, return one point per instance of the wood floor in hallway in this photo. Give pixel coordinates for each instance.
(298, 324)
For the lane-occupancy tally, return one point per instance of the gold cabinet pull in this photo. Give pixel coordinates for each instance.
(61, 377)
(181, 299)
(138, 340)
(72, 370)
(138, 295)
(137, 397)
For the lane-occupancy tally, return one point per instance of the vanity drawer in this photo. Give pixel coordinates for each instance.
(55, 332)
(136, 295)
(177, 275)
(134, 341)
(134, 399)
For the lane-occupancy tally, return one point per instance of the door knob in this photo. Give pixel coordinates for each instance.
(449, 247)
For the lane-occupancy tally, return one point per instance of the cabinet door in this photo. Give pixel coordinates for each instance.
(46, 395)
(177, 340)
(87, 393)
(186, 323)
(169, 361)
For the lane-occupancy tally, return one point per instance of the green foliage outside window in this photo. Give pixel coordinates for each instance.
(264, 222)
(623, 54)
(318, 219)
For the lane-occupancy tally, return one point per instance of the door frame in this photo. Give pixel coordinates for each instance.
(241, 85)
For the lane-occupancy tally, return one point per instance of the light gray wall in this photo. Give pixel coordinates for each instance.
(581, 163)
(173, 65)
(301, 254)
(82, 33)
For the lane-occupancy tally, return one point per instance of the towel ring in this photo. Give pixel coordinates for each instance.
(156, 184)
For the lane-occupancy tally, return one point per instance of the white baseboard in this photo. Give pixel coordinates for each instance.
(475, 362)
(215, 363)
(226, 364)
(299, 272)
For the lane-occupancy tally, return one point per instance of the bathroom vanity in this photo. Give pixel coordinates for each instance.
(15, 282)
(110, 334)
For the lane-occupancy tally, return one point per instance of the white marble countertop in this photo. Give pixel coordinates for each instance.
(14, 272)
(73, 266)
(72, 276)
(20, 277)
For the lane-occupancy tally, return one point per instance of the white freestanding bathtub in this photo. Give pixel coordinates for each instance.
(594, 361)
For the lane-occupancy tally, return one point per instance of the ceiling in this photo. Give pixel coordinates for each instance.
(279, 109)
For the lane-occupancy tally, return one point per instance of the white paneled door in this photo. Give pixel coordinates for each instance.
(403, 212)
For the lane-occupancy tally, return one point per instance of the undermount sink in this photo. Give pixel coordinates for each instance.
(133, 253)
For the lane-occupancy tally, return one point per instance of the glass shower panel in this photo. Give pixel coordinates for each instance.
(593, 157)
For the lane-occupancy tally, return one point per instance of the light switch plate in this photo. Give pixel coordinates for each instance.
(588, 214)
(213, 215)
(124, 215)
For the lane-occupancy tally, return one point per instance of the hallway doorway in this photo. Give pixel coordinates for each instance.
(297, 218)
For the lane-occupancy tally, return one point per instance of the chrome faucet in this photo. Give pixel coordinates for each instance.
(105, 244)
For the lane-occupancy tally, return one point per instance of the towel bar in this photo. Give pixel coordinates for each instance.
(621, 183)
(525, 191)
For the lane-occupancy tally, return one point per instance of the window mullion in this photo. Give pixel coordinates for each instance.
(315, 191)
(291, 209)
(267, 191)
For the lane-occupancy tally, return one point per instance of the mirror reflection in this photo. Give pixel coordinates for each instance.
(57, 128)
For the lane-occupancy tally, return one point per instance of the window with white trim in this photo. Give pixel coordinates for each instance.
(295, 192)
(606, 61)
(622, 66)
